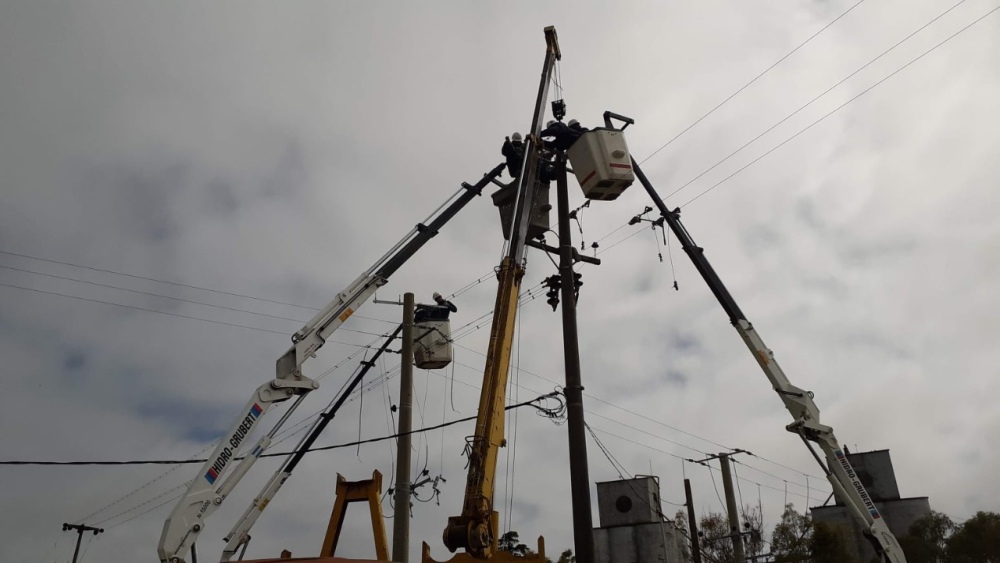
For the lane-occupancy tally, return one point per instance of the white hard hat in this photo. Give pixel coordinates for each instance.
(550, 123)
(516, 137)
(437, 296)
(573, 122)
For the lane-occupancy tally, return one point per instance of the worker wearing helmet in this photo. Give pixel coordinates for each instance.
(513, 151)
(563, 135)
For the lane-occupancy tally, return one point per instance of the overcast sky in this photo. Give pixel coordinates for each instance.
(277, 150)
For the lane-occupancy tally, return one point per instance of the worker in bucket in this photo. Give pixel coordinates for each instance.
(563, 135)
(513, 151)
(439, 312)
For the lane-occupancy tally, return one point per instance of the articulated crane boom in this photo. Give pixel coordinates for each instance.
(475, 530)
(214, 483)
(799, 402)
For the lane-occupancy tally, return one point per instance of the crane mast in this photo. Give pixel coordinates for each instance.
(799, 402)
(476, 529)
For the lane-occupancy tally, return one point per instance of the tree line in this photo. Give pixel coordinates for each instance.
(797, 538)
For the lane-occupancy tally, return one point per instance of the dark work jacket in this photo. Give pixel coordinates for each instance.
(514, 155)
(564, 136)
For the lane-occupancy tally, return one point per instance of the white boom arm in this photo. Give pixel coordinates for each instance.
(214, 483)
(799, 402)
(806, 424)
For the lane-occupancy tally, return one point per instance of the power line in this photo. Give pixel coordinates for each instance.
(634, 413)
(139, 488)
(141, 309)
(530, 403)
(189, 317)
(525, 298)
(177, 284)
(152, 294)
(299, 426)
(745, 86)
(810, 102)
(841, 106)
(673, 455)
(603, 250)
(376, 383)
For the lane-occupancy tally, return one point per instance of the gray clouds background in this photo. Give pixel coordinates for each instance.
(277, 150)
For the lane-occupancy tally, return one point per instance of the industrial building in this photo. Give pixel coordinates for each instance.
(875, 471)
(633, 529)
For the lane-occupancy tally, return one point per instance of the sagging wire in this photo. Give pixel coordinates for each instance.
(577, 215)
(387, 401)
(556, 414)
(670, 256)
(618, 467)
(288, 433)
(514, 389)
(654, 223)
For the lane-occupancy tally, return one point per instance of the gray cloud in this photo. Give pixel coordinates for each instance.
(276, 151)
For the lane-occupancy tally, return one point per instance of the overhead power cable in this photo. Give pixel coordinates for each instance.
(745, 86)
(300, 426)
(530, 403)
(134, 276)
(235, 325)
(810, 102)
(179, 299)
(841, 106)
(673, 455)
(592, 413)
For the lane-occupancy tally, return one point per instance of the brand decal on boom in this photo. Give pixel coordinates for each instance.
(858, 487)
(235, 439)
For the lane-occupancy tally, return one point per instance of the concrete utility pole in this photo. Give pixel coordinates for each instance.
(80, 529)
(401, 515)
(734, 519)
(692, 523)
(583, 523)
(735, 532)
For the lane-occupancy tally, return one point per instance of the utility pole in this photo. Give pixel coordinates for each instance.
(80, 529)
(692, 523)
(727, 483)
(401, 515)
(734, 519)
(583, 524)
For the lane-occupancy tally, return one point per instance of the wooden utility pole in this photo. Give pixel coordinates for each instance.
(692, 523)
(583, 523)
(80, 529)
(401, 514)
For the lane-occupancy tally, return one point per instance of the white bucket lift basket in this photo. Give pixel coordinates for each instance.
(432, 348)
(602, 164)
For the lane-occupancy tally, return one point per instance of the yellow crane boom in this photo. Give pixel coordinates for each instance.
(476, 529)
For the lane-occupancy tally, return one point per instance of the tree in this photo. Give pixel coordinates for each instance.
(753, 526)
(790, 538)
(827, 545)
(977, 540)
(925, 542)
(716, 544)
(510, 542)
(681, 522)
